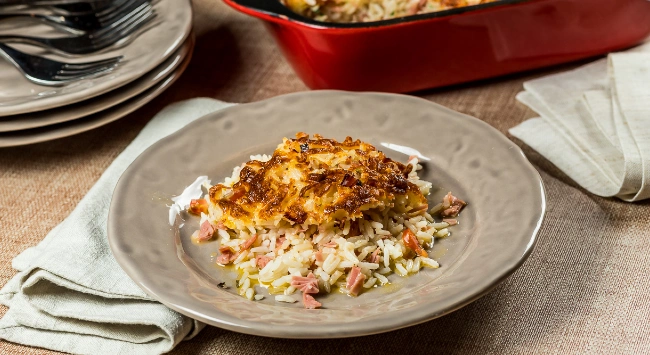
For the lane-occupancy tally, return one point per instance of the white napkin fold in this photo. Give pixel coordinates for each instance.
(71, 295)
(594, 123)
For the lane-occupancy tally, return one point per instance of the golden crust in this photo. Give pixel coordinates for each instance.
(315, 180)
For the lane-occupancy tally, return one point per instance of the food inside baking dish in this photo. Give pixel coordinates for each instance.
(321, 215)
(371, 10)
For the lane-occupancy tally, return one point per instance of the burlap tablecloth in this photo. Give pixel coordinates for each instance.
(584, 289)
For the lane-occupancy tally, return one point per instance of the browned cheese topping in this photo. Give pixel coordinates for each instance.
(316, 180)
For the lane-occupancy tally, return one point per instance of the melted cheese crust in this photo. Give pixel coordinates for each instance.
(316, 181)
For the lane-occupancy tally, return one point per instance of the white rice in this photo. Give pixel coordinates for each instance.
(371, 10)
(296, 256)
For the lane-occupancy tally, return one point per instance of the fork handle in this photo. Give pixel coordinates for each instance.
(13, 56)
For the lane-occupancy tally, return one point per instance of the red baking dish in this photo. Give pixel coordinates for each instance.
(453, 46)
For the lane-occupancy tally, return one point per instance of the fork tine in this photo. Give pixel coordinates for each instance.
(115, 6)
(76, 72)
(136, 24)
(115, 26)
(76, 66)
(125, 29)
(139, 24)
(84, 74)
(44, 71)
(111, 15)
(89, 67)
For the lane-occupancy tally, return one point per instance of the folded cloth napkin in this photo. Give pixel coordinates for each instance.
(594, 123)
(71, 295)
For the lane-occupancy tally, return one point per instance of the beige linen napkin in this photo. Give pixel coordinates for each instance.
(71, 295)
(594, 123)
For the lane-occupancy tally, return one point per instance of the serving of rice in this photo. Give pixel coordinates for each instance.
(319, 216)
(371, 10)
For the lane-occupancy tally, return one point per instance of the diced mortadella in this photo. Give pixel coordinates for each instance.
(309, 302)
(279, 242)
(411, 242)
(450, 221)
(306, 284)
(374, 257)
(452, 205)
(226, 256)
(247, 244)
(206, 232)
(262, 260)
(198, 206)
(319, 256)
(355, 281)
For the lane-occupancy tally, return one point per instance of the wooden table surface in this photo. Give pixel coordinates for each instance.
(583, 290)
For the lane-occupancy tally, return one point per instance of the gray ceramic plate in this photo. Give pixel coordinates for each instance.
(146, 51)
(97, 104)
(110, 114)
(496, 233)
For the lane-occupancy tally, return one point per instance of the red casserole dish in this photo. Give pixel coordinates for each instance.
(449, 47)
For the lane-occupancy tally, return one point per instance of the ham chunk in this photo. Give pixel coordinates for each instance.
(261, 261)
(248, 243)
(227, 255)
(412, 243)
(319, 256)
(206, 232)
(355, 281)
(308, 285)
(450, 221)
(451, 206)
(309, 302)
(198, 206)
(279, 242)
(374, 257)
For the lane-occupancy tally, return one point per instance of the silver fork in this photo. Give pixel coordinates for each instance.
(93, 41)
(49, 72)
(83, 22)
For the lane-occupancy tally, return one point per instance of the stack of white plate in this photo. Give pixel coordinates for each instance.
(151, 62)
